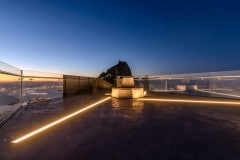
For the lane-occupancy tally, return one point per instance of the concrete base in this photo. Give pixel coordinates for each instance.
(127, 92)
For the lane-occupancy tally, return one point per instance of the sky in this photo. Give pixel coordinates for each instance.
(153, 37)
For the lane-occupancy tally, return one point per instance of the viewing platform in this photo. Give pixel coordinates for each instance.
(126, 129)
(54, 116)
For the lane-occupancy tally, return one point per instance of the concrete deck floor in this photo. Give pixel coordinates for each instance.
(125, 129)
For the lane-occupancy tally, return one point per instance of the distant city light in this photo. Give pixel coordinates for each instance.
(191, 101)
(58, 121)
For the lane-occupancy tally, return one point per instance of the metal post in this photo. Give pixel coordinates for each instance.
(211, 86)
(64, 86)
(21, 88)
(88, 85)
(166, 84)
(78, 85)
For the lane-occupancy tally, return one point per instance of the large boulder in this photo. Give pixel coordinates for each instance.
(120, 69)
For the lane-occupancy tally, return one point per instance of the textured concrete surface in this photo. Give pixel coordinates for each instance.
(125, 129)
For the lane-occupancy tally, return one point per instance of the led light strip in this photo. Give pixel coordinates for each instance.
(58, 121)
(189, 101)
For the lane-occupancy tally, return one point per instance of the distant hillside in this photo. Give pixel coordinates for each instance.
(120, 69)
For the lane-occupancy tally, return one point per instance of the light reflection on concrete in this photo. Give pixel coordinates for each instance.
(137, 106)
(133, 104)
(128, 107)
(129, 111)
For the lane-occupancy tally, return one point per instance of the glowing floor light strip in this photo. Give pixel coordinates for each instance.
(58, 121)
(189, 101)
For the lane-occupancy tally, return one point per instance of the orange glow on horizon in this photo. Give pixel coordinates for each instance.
(35, 79)
(58, 121)
(190, 101)
(9, 78)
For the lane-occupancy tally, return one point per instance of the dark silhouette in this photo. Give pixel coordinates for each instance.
(120, 69)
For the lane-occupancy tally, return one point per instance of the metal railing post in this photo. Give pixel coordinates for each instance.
(166, 85)
(21, 88)
(211, 89)
(88, 85)
(64, 86)
(78, 85)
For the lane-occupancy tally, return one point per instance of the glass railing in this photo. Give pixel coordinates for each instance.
(77, 84)
(39, 86)
(216, 84)
(8, 69)
(10, 90)
(21, 87)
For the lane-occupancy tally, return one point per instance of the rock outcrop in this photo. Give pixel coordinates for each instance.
(120, 69)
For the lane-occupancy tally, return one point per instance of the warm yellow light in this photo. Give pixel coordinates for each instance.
(58, 121)
(190, 101)
(9, 78)
(145, 93)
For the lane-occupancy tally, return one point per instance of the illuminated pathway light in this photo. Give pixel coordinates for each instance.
(58, 121)
(190, 101)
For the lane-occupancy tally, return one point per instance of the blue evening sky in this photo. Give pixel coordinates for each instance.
(154, 37)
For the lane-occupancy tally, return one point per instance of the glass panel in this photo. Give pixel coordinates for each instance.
(5, 68)
(71, 87)
(228, 87)
(217, 84)
(27, 73)
(77, 85)
(41, 86)
(10, 86)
